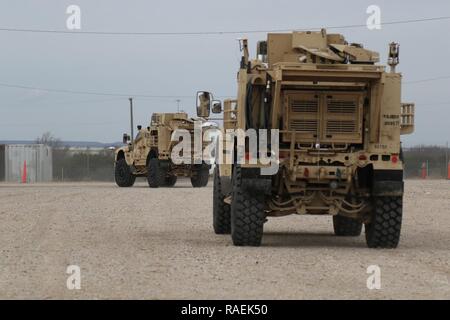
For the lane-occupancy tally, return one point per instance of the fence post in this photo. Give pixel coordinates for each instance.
(446, 161)
(448, 171)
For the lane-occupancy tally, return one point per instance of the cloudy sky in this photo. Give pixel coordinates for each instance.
(176, 66)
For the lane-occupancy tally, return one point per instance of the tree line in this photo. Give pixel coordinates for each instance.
(85, 165)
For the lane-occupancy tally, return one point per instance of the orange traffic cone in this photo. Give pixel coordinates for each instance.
(24, 172)
(448, 171)
(424, 171)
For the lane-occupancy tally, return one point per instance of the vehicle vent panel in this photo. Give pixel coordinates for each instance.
(305, 106)
(341, 126)
(309, 126)
(327, 117)
(342, 107)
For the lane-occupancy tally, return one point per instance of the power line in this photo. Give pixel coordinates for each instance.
(148, 96)
(427, 80)
(7, 85)
(426, 104)
(9, 124)
(62, 103)
(95, 93)
(223, 32)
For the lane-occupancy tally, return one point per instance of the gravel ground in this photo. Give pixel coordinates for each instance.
(159, 244)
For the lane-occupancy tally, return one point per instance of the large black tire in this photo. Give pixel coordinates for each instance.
(200, 176)
(123, 175)
(247, 213)
(170, 181)
(156, 174)
(383, 231)
(221, 210)
(346, 227)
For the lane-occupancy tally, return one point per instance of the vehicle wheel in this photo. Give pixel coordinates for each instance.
(200, 176)
(170, 181)
(123, 175)
(247, 213)
(383, 231)
(346, 227)
(221, 210)
(155, 173)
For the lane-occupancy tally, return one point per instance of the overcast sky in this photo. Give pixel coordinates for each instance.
(181, 65)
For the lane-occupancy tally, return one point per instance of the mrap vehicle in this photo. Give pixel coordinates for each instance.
(149, 154)
(339, 117)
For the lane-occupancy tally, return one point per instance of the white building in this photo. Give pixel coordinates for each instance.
(36, 158)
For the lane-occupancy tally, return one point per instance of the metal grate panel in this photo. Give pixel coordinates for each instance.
(309, 126)
(342, 106)
(341, 126)
(305, 106)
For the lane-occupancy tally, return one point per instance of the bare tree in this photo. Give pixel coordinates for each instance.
(48, 139)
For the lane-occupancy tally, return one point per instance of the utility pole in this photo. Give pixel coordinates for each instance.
(446, 161)
(131, 121)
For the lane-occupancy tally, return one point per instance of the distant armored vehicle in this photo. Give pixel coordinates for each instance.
(339, 117)
(149, 154)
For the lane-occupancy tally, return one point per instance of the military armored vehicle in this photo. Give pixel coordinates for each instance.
(149, 154)
(339, 116)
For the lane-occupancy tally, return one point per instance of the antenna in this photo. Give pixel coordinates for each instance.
(131, 120)
(243, 47)
(393, 59)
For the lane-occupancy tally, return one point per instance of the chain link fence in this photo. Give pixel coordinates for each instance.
(429, 161)
(83, 166)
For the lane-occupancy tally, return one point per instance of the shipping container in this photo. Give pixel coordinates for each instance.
(35, 159)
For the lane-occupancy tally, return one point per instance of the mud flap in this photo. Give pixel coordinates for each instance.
(253, 182)
(225, 185)
(387, 183)
(387, 188)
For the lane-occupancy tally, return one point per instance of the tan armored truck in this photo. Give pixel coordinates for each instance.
(149, 154)
(337, 118)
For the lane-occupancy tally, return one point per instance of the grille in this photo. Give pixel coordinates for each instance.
(326, 116)
(305, 106)
(341, 106)
(309, 126)
(341, 126)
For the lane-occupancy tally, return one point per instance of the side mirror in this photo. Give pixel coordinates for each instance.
(204, 99)
(261, 51)
(125, 138)
(216, 106)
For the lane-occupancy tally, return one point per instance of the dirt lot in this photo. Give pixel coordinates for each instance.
(159, 244)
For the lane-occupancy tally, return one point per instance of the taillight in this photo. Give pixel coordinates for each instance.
(363, 157)
(394, 158)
